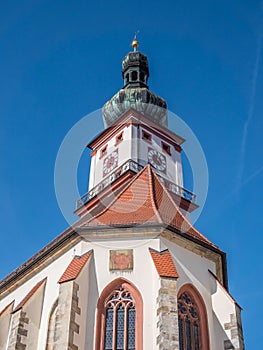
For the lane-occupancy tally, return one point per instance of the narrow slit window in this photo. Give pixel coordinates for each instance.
(166, 148)
(146, 136)
(103, 151)
(119, 138)
(134, 76)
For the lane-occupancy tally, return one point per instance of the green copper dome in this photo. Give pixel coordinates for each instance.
(135, 94)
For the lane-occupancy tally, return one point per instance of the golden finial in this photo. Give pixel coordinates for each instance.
(135, 42)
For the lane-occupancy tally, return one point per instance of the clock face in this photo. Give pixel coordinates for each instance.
(157, 160)
(110, 162)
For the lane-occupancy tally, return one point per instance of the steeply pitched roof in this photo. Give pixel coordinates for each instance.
(142, 200)
(164, 264)
(145, 201)
(75, 267)
(29, 295)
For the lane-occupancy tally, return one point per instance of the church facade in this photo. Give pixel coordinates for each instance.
(132, 273)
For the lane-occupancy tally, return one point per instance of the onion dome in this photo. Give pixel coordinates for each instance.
(135, 92)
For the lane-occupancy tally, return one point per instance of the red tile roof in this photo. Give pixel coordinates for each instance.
(144, 200)
(136, 218)
(75, 267)
(29, 295)
(6, 308)
(164, 264)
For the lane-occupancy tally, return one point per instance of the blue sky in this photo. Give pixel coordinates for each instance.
(60, 60)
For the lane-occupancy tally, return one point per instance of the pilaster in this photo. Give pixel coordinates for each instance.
(19, 332)
(168, 336)
(66, 325)
(235, 326)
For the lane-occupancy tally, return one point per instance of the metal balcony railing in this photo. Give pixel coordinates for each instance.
(136, 167)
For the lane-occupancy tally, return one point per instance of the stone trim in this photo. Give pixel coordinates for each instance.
(66, 325)
(75, 310)
(236, 332)
(168, 334)
(18, 334)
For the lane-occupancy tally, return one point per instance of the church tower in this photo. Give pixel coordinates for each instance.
(133, 273)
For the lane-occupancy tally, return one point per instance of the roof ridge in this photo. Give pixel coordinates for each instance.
(155, 208)
(83, 255)
(185, 220)
(159, 252)
(168, 195)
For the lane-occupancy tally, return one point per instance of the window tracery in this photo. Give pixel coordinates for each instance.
(120, 321)
(193, 334)
(119, 317)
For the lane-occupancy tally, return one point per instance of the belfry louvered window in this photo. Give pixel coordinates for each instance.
(189, 323)
(120, 318)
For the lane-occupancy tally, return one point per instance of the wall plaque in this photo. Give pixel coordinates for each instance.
(121, 259)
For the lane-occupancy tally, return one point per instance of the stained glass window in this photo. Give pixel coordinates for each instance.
(109, 328)
(181, 337)
(188, 322)
(120, 321)
(120, 328)
(196, 336)
(131, 329)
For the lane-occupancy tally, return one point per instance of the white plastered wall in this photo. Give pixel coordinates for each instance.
(5, 319)
(223, 307)
(135, 148)
(124, 153)
(192, 268)
(53, 272)
(143, 276)
(33, 309)
(173, 161)
(92, 282)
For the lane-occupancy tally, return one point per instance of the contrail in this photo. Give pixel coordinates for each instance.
(252, 176)
(250, 114)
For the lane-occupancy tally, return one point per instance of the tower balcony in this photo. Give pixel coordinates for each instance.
(183, 197)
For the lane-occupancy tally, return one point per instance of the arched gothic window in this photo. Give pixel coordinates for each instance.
(192, 320)
(119, 317)
(120, 321)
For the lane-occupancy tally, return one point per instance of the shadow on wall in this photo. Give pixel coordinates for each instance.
(93, 296)
(221, 334)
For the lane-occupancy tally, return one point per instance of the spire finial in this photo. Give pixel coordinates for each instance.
(135, 42)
